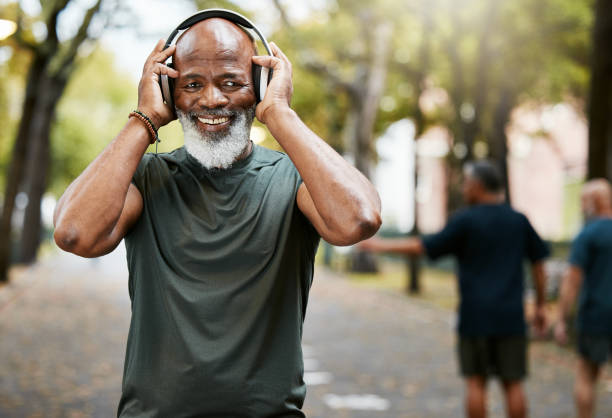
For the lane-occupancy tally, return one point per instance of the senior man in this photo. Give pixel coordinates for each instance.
(220, 234)
(589, 275)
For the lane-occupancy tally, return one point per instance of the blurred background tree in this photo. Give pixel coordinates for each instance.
(52, 57)
(600, 99)
(464, 66)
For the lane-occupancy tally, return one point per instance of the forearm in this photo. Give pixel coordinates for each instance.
(407, 246)
(539, 281)
(91, 206)
(569, 290)
(342, 195)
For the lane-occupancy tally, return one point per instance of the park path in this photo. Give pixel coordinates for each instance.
(368, 353)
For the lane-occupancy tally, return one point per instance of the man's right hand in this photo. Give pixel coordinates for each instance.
(150, 100)
(561, 332)
(539, 321)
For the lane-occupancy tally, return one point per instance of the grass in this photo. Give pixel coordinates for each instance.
(437, 286)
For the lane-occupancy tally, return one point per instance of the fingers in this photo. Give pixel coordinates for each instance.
(163, 69)
(159, 46)
(272, 61)
(267, 61)
(167, 53)
(280, 88)
(159, 53)
(150, 98)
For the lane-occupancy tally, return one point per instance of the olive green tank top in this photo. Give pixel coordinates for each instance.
(221, 263)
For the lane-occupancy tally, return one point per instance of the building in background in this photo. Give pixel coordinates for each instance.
(546, 163)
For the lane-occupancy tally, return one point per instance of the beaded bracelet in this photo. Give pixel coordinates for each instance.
(148, 123)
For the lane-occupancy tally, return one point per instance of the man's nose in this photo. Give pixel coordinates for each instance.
(212, 97)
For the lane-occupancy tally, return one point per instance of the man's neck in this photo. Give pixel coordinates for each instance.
(490, 199)
(605, 213)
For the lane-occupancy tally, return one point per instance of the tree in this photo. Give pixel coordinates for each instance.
(365, 83)
(361, 77)
(95, 88)
(52, 63)
(600, 98)
(494, 56)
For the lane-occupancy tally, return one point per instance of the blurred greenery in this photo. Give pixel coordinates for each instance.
(92, 111)
(538, 51)
(12, 75)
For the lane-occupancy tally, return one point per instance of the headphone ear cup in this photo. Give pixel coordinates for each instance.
(256, 81)
(166, 85)
(261, 79)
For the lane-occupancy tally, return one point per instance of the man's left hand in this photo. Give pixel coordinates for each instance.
(539, 322)
(280, 89)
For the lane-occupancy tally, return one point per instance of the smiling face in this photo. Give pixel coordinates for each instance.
(214, 95)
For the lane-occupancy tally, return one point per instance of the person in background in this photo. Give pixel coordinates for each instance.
(490, 241)
(590, 274)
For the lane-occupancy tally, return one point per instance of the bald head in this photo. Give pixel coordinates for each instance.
(597, 198)
(229, 40)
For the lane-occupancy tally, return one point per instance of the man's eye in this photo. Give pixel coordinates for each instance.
(192, 85)
(230, 84)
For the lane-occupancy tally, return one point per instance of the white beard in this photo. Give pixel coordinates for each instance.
(217, 149)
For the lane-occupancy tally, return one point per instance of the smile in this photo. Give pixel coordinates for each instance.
(216, 121)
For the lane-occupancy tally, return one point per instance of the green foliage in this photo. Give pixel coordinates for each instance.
(220, 4)
(540, 49)
(12, 85)
(92, 111)
(535, 50)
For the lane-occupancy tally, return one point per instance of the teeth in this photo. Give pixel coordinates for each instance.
(213, 121)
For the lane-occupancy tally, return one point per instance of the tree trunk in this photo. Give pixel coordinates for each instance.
(16, 167)
(414, 266)
(472, 128)
(499, 140)
(458, 97)
(37, 167)
(375, 78)
(51, 60)
(466, 129)
(360, 261)
(600, 100)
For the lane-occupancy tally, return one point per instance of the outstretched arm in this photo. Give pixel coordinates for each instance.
(408, 246)
(98, 208)
(340, 202)
(572, 281)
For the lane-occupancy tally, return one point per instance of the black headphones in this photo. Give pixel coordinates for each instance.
(261, 75)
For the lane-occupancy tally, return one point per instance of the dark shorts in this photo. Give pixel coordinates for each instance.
(504, 357)
(594, 348)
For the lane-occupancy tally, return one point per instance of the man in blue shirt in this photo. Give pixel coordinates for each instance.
(490, 242)
(590, 272)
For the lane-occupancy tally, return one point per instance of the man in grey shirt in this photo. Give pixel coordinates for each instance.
(220, 234)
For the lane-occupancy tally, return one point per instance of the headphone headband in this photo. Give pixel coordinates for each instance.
(261, 75)
(230, 15)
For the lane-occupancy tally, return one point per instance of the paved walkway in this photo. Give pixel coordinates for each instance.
(63, 325)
